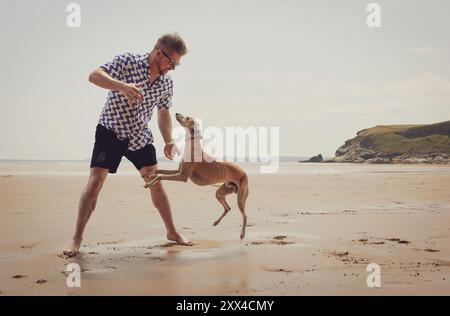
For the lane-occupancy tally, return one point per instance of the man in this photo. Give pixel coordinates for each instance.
(138, 84)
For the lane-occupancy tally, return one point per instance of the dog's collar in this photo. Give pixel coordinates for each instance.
(191, 137)
(196, 135)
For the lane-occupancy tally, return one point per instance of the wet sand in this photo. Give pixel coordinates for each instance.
(309, 233)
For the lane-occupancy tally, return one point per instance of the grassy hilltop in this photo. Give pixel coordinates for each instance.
(398, 144)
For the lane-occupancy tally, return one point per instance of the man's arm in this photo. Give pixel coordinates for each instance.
(165, 127)
(101, 78)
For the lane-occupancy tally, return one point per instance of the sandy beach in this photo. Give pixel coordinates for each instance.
(313, 229)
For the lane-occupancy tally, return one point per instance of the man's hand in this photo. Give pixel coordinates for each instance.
(170, 150)
(132, 92)
(102, 79)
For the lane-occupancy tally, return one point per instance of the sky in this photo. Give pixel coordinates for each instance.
(314, 69)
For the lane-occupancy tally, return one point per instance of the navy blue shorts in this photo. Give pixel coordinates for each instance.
(109, 150)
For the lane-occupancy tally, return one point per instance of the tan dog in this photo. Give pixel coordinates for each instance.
(202, 169)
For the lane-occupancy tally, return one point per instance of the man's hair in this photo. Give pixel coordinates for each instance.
(173, 43)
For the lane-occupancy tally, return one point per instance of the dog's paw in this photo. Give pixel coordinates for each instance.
(150, 177)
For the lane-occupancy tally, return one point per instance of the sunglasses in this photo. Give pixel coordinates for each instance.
(173, 62)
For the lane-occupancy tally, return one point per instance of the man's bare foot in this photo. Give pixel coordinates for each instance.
(73, 249)
(180, 240)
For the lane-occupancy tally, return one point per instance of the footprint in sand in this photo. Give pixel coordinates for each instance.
(277, 270)
(339, 254)
(276, 240)
(114, 242)
(365, 241)
(159, 259)
(345, 257)
(431, 250)
(273, 242)
(29, 246)
(398, 240)
(443, 263)
(19, 276)
(41, 281)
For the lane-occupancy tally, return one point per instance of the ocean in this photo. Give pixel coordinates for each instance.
(81, 168)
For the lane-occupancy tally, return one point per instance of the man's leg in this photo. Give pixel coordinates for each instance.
(161, 202)
(86, 206)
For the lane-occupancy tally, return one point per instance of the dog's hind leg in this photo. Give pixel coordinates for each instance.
(242, 195)
(221, 192)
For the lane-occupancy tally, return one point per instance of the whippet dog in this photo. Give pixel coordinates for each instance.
(203, 169)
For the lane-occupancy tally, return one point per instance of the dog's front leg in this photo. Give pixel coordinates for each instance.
(182, 175)
(151, 176)
(167, 172)
(172, 177)
(159, 171)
